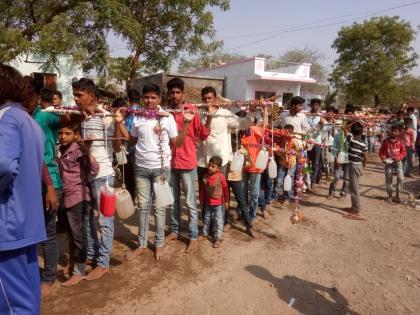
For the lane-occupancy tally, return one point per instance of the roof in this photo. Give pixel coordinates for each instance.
(224, 65)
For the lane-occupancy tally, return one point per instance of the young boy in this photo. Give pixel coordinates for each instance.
(357, 150)
(287, 165)
(392, 152)
(76, 164)
(408, 137)
(214, 194)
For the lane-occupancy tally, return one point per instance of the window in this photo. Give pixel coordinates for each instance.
(265, 95)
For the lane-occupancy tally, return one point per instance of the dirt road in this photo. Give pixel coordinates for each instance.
(325, 265)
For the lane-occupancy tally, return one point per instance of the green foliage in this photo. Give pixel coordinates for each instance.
(330, 98)
(372, 55)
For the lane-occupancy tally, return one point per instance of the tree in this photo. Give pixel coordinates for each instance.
(157, 31)
(207, 60)
(371, 56)
(52, 28)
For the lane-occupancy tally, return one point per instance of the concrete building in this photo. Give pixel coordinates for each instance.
(59, 79)
(252, 78)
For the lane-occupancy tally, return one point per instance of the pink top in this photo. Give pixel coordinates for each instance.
(408, 138)
(185, 157)
(74, 170)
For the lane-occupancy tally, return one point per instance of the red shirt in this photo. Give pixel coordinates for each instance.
(185, 156)
(214, 190)
(392, 150)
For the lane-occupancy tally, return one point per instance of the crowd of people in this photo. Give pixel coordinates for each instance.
(54, 169)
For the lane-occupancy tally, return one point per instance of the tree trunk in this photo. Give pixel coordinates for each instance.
(134, 67)
(377, 101)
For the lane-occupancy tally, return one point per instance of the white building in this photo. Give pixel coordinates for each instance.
(60, 79)
(249, 79)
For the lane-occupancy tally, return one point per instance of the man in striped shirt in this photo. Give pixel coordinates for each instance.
(357, 149)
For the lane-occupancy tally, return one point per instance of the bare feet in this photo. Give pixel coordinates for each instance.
(192, 246)
(265, 215)
(135, 253)
(252, 233)
(46, 288)
(171, 237)
(73, 280)
(217, 244)
(97, 273)
(227, 227)
(159, 253)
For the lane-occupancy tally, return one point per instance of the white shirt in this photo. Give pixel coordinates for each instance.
(219, 142)
(98, 128)
(147, 147)
(298, 121)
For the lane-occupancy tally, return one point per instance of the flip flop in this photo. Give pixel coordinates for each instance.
(353, 216)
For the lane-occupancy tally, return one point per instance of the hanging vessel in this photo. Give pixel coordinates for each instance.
(262, 159)
(341, 157)
(272, 168)
(121, 157)
(107, 201)
(330, 157)
(287, 184)
(163, 194)
(124, 204)
(237, 162)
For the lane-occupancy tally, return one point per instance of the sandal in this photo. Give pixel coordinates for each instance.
(353, 216)
(217, 244)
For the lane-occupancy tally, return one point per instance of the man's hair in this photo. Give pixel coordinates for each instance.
(58, 93)
(315, 100)
(30, 89)
(72, 125)
(216, 160)
(118, 103)
(395, 127)
(151, 87)
(175, 83)
(11, 84)
(297, 100)
(408, 120)
(356, 129)
(86, 85)
(46, 95)
(349, 108)
(133, 96)
(289, 127)
(207, 90)
(410, 109)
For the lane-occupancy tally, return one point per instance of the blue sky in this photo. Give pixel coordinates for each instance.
(249, 21)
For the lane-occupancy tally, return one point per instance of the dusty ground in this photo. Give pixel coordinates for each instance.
(326, 265)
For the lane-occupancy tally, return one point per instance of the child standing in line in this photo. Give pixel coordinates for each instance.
(357, 158)
(392, 153)
(408, 137)
(287, 161)
(214, 194)
(75, 165)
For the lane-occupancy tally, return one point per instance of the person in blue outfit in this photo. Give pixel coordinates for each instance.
(21, 211)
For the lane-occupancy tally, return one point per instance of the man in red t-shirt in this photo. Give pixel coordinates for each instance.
(184, 163)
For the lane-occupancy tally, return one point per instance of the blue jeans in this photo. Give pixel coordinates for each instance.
(315, 157)
(340, 169)
(187, 177)
(242, 209)
(217, 211)
(396, 167)
(101, 249)
(282, 172)
(408, 163)
(252, 190)
(145, 178)
(266, 187)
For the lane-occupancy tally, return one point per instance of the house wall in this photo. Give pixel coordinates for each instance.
(65, 73)
(279, 87)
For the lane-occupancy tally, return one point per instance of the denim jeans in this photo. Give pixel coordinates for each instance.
(408, 164)
(101, 249)
(252, 190)
(145, 178)
(315, 157)
(217, 212)
(340, 169)
(282, 172)
(242, 209)
(266, 187)
(50, 245)
(187, 178)
(389, 172)
(370, 141)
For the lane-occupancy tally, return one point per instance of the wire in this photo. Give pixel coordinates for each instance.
(322, 25)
